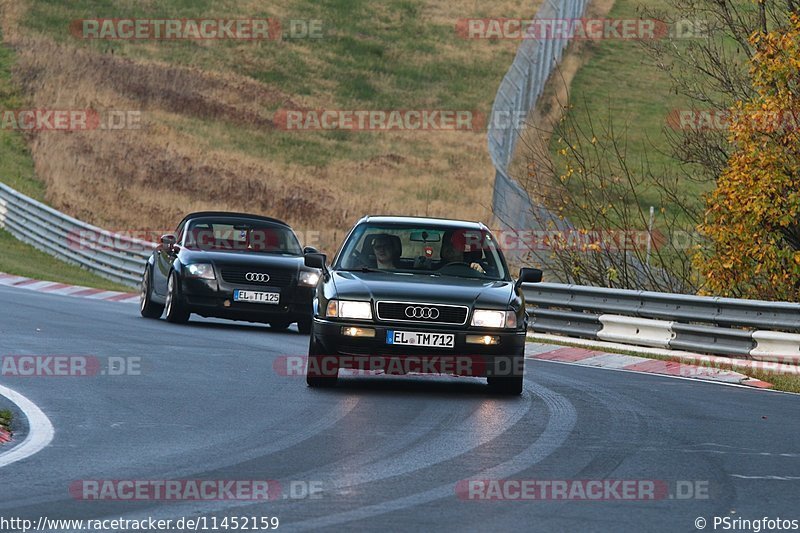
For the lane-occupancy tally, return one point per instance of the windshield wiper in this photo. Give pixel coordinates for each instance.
(362, 269)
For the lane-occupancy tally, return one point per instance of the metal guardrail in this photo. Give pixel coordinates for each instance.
(115, 257)
(516, 97)
(761, 330)
(754, 329)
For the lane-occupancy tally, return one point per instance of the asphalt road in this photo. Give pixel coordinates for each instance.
(387, 452)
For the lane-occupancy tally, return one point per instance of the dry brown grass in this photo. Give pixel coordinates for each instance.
(11, 12)
(149, 178)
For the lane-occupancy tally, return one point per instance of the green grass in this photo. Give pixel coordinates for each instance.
(16, 170)
(22, 259)
(316, 149)
(376, 54)
(16, 164)
(780, 382)
(5, 418)
(620, 86)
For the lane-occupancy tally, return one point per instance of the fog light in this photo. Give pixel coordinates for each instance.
(483, 339)
(358, 332)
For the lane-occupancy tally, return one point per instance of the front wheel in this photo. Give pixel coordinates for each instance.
(304, 326)
(321, 370)
(176, 309)
(147, 307)
(506, 385)
(279, 325)
(508, 379)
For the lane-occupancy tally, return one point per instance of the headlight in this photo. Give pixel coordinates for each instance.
(309, 278)
(349, 309)
(484, 318)
(200, 270)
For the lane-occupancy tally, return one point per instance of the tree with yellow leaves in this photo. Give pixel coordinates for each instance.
(751, 220)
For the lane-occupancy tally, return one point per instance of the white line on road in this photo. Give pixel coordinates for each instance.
(562, 418)
(40, 430)
(771, 478)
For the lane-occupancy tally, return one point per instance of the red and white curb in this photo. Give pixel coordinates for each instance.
(581, 356)
(77, 291)
(5, 436)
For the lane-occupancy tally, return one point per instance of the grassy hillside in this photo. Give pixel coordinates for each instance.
(16, 169)
(16, 165)
(208, 138)
(618, 86)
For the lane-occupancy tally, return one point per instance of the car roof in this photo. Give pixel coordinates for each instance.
(232, 214)
(444, 223)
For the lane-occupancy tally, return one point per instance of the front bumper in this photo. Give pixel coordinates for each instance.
(374, 353)
(215, 298)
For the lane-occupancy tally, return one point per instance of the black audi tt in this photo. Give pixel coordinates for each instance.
(230, 265)
(419, 295)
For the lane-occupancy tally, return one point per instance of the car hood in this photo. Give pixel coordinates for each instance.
(422, 289)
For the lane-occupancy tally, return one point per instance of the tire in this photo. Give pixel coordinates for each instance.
(509, 384)
(176, 308)
(304, 326)
(279, 325)
(318, 375)
(147, 307)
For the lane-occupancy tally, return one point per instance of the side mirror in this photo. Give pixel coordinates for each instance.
(528, 275)
(168, 240)
(316, 260)
(310, 250)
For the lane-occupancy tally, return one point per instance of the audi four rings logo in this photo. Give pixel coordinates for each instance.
(257, 276)
(422, 312)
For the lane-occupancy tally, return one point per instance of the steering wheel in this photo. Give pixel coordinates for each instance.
(462, 266)
(457, 263)
(423, 263)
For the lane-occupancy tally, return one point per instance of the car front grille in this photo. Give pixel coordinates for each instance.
(238, 276)
(422, 313)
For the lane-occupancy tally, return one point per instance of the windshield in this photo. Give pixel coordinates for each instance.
(461, 252)
(241, 235)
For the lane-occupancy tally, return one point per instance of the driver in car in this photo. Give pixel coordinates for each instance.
(453, 244)
(386, 254)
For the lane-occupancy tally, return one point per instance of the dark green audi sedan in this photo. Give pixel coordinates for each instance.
(419, 295)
